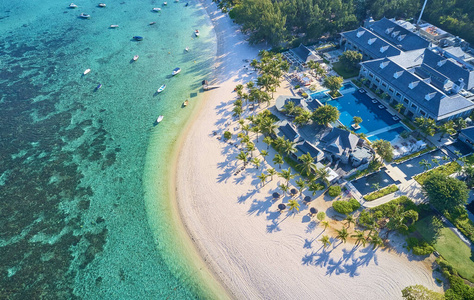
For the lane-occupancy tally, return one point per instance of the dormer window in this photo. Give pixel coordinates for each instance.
(413, 84)
(383, 64)
(383, 49)
(397, 74)
(395, 33)
(371, 41)
(360, 33)
(441, 62)
(388, 30)
(400, 38)
(430, 96)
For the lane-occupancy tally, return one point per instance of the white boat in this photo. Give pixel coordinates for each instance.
(160, 118)
(135, 57)
(176, 71)
(84, 16)
(157, 9)
(86, 72)
(161, 89)
(176, 1)
(113, 26)
(165, 3)
(72, 5)
(187, 49)
(196, 32)
(102, 5)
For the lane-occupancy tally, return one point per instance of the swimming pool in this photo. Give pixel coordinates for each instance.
(377, 123)
(365, 184)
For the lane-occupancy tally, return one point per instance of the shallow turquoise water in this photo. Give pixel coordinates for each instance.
(73, 216)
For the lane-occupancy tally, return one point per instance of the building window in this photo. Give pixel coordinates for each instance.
(390, 90)
(422, 113)
(398, 94)
(406, 100)
(414, 106)
(371, 75)
(384, 84)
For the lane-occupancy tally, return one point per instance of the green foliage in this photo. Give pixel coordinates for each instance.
(384, 149)
(419, 292)
(344, 72)
(418, 246)
(380, 193)
(374, 165)
(334, 191)
(325, 114)
(333, 83)
(445, 193)
(458, 289)
(447, 169)
(321, 216)
(350, 59)
(346, 207)
(227, 135)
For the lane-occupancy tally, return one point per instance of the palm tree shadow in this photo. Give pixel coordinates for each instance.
(243, 198)
(258, 207)
(223, 177)
(275, 225)
(322, 257)
(311, 227)
(308, 259)
(308, 244)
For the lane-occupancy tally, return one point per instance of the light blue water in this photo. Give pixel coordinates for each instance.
(376, 123)
(73, 215)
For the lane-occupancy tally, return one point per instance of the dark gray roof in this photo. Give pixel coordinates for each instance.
(288, 131)
(337, 140)
(361, 38)
(442, 66)
(439, 105)
(397, 35)
(305, 54)
(468, 132)
(306, 147)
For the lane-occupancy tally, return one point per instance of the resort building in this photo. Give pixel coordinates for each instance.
(282, 100)
(467, 136)
(288, 131)
(345, 146)
(306, 147)
(304, 55)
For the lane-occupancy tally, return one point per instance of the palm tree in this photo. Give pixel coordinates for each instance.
(264, 153)
(250, 85)
(256, 162)
(425, 164)
(278, 160)
(256, 130)
(356, 120)
(349, 219)
(376, 186)
(375, 240)
(239, 87)
(447, 128)
(325, 240)
(250, 148)
(272, 172)
(246, 128)
(360, 237)
(263, 177)
(301, 184)
(237, 111)
(307, 164)
(325, 224)
(242, 156)
(279, 142)
(314, 187)
(323, 175)
(241, 123)
(289, 147)
(293, 204)
(284, 188)
(286, 174)
(435, 161)
(342, 234)
(268, 140)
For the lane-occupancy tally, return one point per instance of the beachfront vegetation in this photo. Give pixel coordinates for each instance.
(447, 169)
(419, 292)
(342, 234)
(321, 216)
(333, 83)
(325, 240)
(334, 191)
(380, 193)
(346, 207)
(384, 149)
(325, 114)
(445, 193)
(227, 135)
(426, 125)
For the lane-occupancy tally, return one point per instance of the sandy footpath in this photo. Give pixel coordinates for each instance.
(257, 252)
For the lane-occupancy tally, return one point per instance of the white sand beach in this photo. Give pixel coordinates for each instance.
(257, 252)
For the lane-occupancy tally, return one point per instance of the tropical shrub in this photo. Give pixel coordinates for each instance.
(227, 135)
(334, 191)
(346, 207)
(419, 247)
(380, 193)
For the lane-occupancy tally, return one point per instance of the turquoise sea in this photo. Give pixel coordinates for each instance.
(84, 205)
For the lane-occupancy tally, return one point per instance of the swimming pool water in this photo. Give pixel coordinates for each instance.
(377, 123)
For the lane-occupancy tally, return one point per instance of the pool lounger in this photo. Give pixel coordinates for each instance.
(396, 118)
(374, 101)
(361, 91)
(381, 106)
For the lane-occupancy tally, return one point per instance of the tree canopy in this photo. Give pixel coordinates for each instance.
(445, 193)
(350, 59)
(325, 114)
(333, 83)
(384, 149)
(419, 292)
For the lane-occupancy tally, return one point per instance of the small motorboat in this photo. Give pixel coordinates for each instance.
(72, 5)
(176, 71)
(135, 57)
(138, 38)
(160, 118)
(84, 16)
(102, 5)
(196, 32)
(187, 49)
(86, 72)
(165, 3)
(161, 89)
(176, 1)
(113, 26)
(185, 103)
(98, 87)
(157, 9)
(152, 23)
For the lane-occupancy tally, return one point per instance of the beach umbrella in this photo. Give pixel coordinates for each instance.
(276, 195)
(313, 210)
(307, 199)
(281, 206)
(294, 191)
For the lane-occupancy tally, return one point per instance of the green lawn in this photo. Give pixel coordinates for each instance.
(339, 68)
(447, 169)
(470, 159)
(449, 246)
